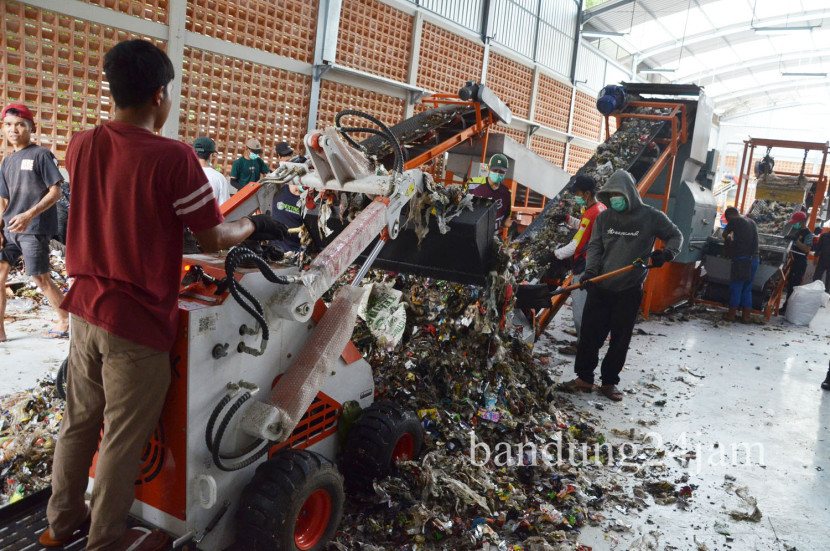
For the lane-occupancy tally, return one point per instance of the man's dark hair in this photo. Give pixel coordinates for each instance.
(731, 211)
(584, 183)
(204, 154)
(136, 69)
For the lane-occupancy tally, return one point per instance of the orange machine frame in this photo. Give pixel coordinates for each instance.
(660, 284)
(772, 306)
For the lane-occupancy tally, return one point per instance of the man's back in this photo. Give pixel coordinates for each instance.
(745, 240)
(132, 194)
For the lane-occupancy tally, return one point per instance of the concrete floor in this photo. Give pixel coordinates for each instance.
(724, 384)
(27, 356)
(727, 384)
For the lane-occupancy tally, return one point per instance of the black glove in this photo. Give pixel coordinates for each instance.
(660, 257)
(267, 228)
(586, 282)
(533, 296)
(559, 218)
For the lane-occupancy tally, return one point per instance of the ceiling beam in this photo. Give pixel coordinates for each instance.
(757, 63)
(745, 26)
(603, 8)
(725, 101)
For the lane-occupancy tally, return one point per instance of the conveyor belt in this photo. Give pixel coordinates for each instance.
(425, 129)
(22, 523)
(541, 220)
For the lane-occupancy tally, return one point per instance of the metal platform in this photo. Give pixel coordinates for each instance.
(22, 523)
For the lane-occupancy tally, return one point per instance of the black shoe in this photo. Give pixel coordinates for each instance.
(826, 384)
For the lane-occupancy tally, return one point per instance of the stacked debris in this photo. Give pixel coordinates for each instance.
(771, 217)
(626, 145)
(28, 427)
(632, 142)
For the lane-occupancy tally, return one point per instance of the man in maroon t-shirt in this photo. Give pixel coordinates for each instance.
(133, 192)
(498, 193)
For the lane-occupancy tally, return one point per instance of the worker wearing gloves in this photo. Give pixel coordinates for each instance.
(124, 301)
(249, 167)
(287, 209)
(583, 189)
(622, 234)
(741, 243)
(802, 238)
(497, 192)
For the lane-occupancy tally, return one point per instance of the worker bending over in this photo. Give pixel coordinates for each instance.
(740, 239)
(622, 235)
(583, 190)
(125, 295)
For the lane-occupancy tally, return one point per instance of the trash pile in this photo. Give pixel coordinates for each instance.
(29, 422)
(772, 216)
(623, 147)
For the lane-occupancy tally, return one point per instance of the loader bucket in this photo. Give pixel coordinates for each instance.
(464, 254)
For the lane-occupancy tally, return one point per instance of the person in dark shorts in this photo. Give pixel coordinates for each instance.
(29, 188)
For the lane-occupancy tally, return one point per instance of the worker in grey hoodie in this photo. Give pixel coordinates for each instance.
(622, 234)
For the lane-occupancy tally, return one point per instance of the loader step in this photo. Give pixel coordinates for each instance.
(22, 523)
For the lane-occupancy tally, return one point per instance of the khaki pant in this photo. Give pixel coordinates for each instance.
(123, 385)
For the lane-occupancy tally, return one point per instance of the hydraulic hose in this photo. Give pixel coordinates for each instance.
(214, 443)
(246, 300)
(384, 131)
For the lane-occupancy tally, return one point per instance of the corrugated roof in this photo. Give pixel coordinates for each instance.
(721, 44)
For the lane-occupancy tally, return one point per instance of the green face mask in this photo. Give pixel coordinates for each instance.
(496, 177)
(254, 156)
(618, 203)
(797, 226)
(579, 201)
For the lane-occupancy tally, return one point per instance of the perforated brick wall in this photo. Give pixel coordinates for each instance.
(154, 10)
(336, 97)
(731, 163)
(518, 135)
(587, 119)
(553, 101)
(512, 82)
(375, 38)
(231, 101)
(52, 63)
(447, 61)
(577, 157)
(285, 27)
(552, 150)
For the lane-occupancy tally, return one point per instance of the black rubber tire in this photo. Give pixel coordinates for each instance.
(272, 501)
(60, 379)
(367, 454)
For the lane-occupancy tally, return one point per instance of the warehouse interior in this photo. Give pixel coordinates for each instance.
(720, 439)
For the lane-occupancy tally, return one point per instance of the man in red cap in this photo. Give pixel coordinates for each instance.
(802, 238)
(29, 188)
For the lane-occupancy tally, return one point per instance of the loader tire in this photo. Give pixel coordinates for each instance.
(293, 503)
(60, 379)
(384, 435)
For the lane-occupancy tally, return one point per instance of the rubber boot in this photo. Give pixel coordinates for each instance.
(730, 315)
(826, 384)
(746, 315)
